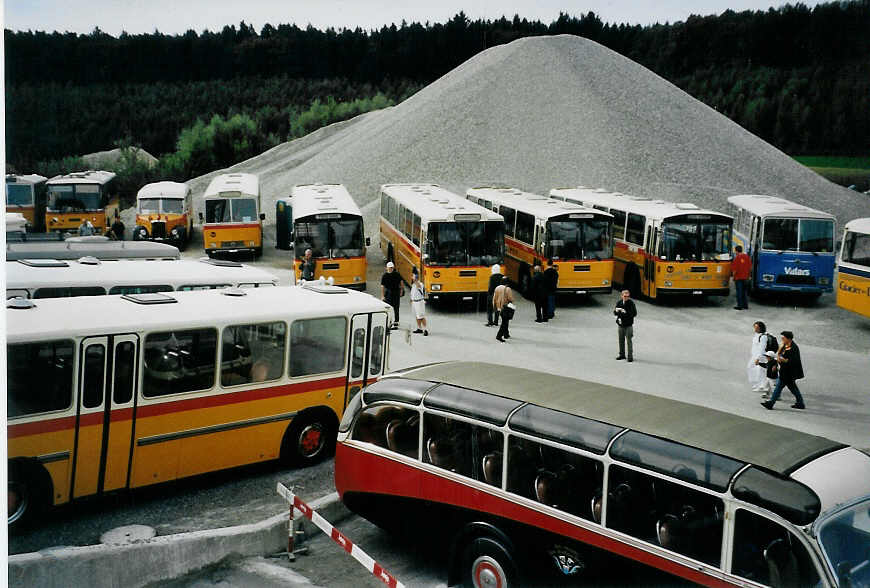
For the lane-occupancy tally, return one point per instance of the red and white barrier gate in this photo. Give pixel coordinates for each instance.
(349, 546)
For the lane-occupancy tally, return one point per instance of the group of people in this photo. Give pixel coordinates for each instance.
(774, 365)
(393, 289)
(116, 231)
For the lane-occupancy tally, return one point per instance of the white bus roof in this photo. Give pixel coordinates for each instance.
(652, 209)
(63, 318)
(859, 225)
(132, 272)
(435, 204)
(247, 184)
(762, 205)
(83, 177)
(163, 190)
(311, 199)
(96, 246)
(536, 204)
(28, 179)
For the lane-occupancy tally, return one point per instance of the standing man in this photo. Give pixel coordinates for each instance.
(391, 290)
(118, 228)
(307, 266)
(741, 267)
(502, 301)
(494, 281)
(551, 275)
(539, 295)
(790, 370)
(625, 312)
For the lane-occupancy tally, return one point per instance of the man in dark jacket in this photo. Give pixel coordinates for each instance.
(539, 294)
(551, 275)
(790, 370)
(494, 281)
(625, 311)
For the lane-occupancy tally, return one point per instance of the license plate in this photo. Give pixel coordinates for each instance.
(697, 291)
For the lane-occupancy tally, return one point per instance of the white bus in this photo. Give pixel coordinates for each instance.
(114, 392)
(88, 276)
(328, 221)
(233, 221)
(95, 246)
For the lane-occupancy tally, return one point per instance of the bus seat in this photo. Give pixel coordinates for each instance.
(545, 488)
(492, 468)
(366, 429)
(669, 532)
(596, 506)
(402, 437)
(260, 371)
(440, 452)
(782, 565)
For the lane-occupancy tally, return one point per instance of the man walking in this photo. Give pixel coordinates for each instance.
(551, 275)
(625, 312)
(790, 370)
(494, 281)
(307, 266)
(539, 295)
(741, 267)
(391, 290)
(502, 301)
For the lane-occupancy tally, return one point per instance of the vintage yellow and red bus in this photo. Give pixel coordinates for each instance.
(537, 229)
(164, 212)
(663, 248)
(233, 221)
(327, 220)
(449, 240)
(26, 195)
(78, 197)
(114, 392)
(853, 268)
(524, 476)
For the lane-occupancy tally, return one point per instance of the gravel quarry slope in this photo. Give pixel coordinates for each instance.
(545, 112)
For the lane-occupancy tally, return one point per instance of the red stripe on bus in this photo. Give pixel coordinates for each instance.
(231, 226)
(46, 426)
(361, 471)
(519, 245)
(121, 414)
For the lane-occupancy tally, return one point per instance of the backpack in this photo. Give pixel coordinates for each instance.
(772, 345)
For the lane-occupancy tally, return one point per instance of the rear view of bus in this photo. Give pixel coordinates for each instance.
(233, 221)
(791, 245)
(327, 220)
(78, 197)
(26, 196)
(163, 213)
(853, 282)
(451, 241)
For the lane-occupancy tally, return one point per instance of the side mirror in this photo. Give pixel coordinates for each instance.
(262, 216)
(368, 241)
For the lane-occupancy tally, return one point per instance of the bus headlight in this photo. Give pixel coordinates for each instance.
(142, 232)
(668, 283)
(605, 282)
(250, 243)
(213, 245)
(767, 277)
(435, 287)
(825, 281)
(357, 279)
(174, 232)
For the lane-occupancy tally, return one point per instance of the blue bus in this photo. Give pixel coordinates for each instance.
(791, 245)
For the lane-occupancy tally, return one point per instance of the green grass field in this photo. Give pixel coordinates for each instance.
(846, 171)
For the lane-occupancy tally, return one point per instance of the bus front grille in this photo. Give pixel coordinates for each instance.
(467, 273)
(158, 229)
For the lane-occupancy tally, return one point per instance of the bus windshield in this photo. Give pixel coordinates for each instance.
(241, 210)
(69, 198)
(19, 194)
(465, 243)
(856, 248)
(333, 237)
(164, 205)
(579, 239)
(792, 234)
(844, 538)
(688, 240)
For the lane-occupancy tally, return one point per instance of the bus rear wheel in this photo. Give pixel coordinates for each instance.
(488, 564)
(308, 440)
(28, 494)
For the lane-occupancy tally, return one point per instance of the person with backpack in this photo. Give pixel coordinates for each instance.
(761, 342)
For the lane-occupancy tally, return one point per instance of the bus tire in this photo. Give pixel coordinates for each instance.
(309, 438)
(525, 283)
(29, 492)
(486, 562)
(632, 281)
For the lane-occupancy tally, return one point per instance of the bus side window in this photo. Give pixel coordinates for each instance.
(634, 232)
(358, 353)
(618, 224)
(767, 553)
(469, 450)
(317, 346)
(179, 361)
(377, 346)
(38, 377)
(252, 353)
(391, 427)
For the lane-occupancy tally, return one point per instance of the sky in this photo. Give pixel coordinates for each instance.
(178, 16)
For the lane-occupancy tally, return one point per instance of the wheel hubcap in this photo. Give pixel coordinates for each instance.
(487, 573)
(16, 502)
(311, 440)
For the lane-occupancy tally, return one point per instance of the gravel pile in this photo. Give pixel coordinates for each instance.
(547, 112)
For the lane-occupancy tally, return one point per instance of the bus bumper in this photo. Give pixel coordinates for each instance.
(693, 291)
(585, 291)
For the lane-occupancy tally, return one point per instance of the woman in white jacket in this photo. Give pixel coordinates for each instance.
(757, 374)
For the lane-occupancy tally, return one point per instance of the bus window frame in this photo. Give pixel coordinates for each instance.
(284, 363)
(288, 357)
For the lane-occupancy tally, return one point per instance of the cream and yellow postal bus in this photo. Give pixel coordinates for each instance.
(853, 268)
(538, 229)
(26, 195)
(233, 221)
(78, 197)
(164, 213)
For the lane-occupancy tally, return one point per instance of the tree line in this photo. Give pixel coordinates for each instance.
(795, 76)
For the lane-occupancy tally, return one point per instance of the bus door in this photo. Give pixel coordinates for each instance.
(649, 267)
(367, 351)
(96, 449)
(754, 246)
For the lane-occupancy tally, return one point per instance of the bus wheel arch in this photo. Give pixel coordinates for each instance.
(29, 492)
(486, 549)
(310, 437)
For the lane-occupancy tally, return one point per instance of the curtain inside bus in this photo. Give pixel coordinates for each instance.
(695, 241)
(579, 239)
(466, 243)
(339, 237)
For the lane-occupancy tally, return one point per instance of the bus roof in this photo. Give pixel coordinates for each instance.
(652, 209)
(762, 205)
(770, 446)
(433, 203)
(311, 199)
(83, 177)
(133, 272)
(163, 190)
(859, 225)
(96, 246)
(247, 184)
(536, 204)
(61, 318)
(28, 179)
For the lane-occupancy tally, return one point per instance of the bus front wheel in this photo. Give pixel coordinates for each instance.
(28, 494)
(487, 563)
(309, 439)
